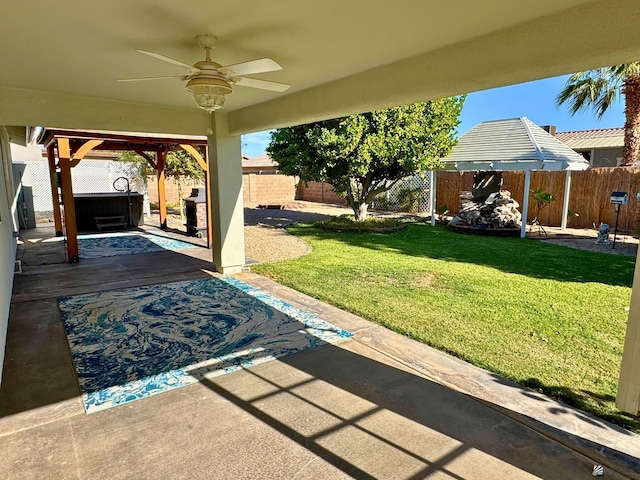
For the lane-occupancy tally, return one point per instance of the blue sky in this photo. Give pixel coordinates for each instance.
(535, 100)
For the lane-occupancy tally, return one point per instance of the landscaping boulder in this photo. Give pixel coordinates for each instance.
(498, 210)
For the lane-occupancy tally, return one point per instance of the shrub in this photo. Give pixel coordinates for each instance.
(409, 199)
(347, 223)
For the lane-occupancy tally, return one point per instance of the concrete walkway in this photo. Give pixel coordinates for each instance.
(377, 406)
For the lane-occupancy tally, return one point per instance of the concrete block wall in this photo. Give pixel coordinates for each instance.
(319, 192)
(259, 190)
(268, 189)
(171, 189)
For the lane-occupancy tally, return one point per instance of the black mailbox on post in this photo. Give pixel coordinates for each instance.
(619, 198)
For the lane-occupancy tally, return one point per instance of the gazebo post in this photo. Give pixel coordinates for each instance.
(432, 197)
(525, 203)
(565, 201)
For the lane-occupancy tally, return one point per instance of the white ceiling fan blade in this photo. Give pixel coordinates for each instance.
(262, 84)
(181, 77)
(164, 58)
(248, 68)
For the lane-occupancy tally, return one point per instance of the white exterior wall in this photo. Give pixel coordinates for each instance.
(8, 222)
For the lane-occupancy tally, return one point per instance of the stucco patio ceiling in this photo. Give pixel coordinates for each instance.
(60, 60)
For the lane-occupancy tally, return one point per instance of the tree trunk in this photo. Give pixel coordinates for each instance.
(180, 200)
(631, 149)
(361, 214)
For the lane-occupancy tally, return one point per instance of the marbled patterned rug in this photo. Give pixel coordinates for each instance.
(132, 343)
(126, 243)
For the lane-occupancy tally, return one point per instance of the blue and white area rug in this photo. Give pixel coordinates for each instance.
(132, 343)
(126, 243)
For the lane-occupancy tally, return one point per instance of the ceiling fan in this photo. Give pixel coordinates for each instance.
(210, 82)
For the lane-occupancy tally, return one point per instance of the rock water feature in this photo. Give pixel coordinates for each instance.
(487, 208)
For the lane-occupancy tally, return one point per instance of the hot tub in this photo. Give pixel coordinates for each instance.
(92, 205)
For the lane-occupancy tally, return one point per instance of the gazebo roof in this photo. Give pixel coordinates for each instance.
(513, 144)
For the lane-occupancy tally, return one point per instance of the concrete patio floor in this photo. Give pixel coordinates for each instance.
(376, 406)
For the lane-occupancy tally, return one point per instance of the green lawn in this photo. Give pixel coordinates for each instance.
(549, 317)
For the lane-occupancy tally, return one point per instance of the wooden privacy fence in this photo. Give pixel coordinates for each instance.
(589, 197)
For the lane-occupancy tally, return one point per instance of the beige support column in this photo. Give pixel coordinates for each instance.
(628, 397)
(225, 185)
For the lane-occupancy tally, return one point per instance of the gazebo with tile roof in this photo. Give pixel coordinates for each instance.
(511, 145)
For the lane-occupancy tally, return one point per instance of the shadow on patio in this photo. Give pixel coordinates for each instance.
(333, 412)
(372, 419)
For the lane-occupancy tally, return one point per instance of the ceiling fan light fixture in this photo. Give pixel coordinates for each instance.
(209, 82)
(209, 92)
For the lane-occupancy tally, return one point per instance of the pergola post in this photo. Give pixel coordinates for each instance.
(161, 156)
(225, 180)
(525, 203)
(66, 162)
(204, 164)
(71, 229)
(432, 197)
(565, 201)
(55, 197)
(628, 396)
(208, 206)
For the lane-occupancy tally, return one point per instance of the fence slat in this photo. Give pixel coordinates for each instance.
(590, 194)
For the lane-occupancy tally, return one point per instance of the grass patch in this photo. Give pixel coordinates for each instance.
(548, 317)
(347, 223)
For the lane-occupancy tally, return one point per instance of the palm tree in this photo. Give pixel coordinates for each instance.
(599, 89)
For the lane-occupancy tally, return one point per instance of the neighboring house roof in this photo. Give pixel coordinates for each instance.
(513, 144)
(588, 139)
(261, 161)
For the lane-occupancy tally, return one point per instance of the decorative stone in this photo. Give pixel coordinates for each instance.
(497, 210)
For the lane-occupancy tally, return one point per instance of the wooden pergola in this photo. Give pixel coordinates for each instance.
(67, 148)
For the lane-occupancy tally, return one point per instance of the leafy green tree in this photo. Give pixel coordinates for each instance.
(179, 165)
(542, 199)
(364, 155)
(599, 89)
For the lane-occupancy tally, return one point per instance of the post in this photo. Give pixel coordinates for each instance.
(565, 200)
(615, 231)
(64, 160)
(525, 203)
(432, 197)
(55, 196)
(225, 180)
(208, 206)
(162, 197)
(204, 164)
(628, 397)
